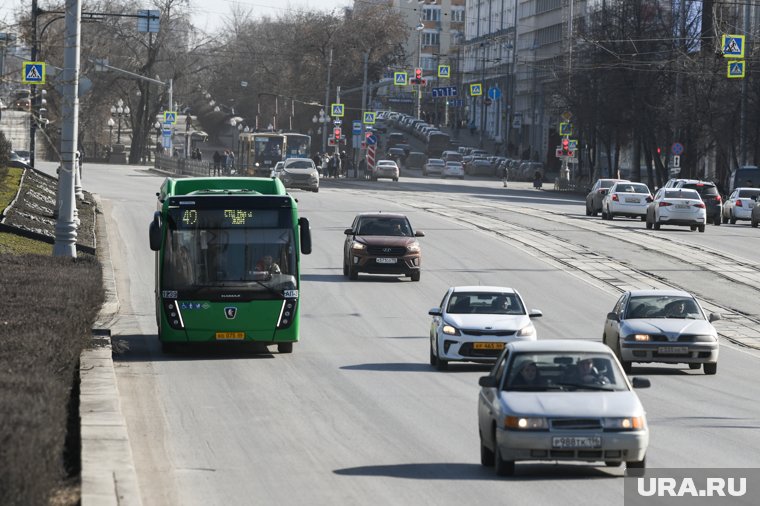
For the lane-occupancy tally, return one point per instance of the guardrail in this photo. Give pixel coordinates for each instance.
(183, 166)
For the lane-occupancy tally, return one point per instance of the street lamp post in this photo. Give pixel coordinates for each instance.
(483, 95)
(111, 124)
(420, 27)
(119, 110)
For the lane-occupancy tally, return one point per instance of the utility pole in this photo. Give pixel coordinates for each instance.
(743, 117)
(35, 103)
(326, 125)
(483, 95)
(66, 227)
(359, 152)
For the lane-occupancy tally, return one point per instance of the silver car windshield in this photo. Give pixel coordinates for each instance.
(663, 306)
(564, 372)
(485, 303)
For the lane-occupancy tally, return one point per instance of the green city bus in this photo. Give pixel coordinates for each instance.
(227, 261)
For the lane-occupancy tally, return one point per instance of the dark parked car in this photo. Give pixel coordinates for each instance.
(710, 196)
(596, 195)
(382, 243)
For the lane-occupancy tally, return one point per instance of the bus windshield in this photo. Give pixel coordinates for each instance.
(298, 146)
(268, 149)
(245, 249)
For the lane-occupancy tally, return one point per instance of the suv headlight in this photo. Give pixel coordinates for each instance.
(357, 246)
(413, 248)
(527, 331)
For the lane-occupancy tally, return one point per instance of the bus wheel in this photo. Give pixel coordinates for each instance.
(285, 347)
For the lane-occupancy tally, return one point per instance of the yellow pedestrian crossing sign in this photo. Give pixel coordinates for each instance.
(736, 69)
(733, 46)
(170, 117)
(444, 71)
(369, 118)
(337, 110)
(399, 78)
(33, 72)
(476, 90)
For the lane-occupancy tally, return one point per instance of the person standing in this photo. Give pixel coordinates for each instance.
(217, 158)
(231, 162)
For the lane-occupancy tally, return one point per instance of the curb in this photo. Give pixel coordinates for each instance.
(108, 475)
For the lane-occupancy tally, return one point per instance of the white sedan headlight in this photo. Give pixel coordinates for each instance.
(527, 331)
(357, 246)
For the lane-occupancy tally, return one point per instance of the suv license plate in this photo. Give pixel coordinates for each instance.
(230, 336)
(386, 260)
(673, 349)
(577, 442)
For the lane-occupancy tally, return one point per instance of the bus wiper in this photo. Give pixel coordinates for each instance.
(269, 288)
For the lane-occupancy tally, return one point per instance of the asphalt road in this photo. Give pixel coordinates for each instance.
(356, 415)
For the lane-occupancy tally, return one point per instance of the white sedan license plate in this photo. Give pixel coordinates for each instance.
(632, 201)
(577, 442)
(682, 206)
(386, 260)
(676, 350)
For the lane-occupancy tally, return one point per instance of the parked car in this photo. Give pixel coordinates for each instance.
(597, 193)
(474, 323)
(710, 196)
(480, 167)
(396, 154)
(560, 400)
(662, 326)
(626, 199)
(453, 169)
(451, 156)
(676, 206)
(387, 169)
(433, 166)
(739, 205)
(526, 171)
(754, 217)
(382, 243)
(300, 173)
(415, 160)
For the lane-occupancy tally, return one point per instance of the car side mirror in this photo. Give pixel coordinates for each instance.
(535, 313)
(154, 232)
(305, 230)
(613, 316)
(640, 382)
(488, 381)
(714, 317)
(349, 231)
(436, 311)
(419, 233)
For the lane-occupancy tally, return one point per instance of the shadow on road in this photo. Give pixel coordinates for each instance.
(462, 471)
(146, 348)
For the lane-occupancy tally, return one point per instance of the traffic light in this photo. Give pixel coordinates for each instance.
(418, 73)
(565, 145)
(659, 150)
(336, 133)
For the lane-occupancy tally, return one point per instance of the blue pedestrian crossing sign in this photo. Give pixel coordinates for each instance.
(733, 46)
(170, 117)
(736, 69)
(565, 128)
(476, 90)
(444, 70)
(33, 72)
(336, 110)
(369, 118)
(399, 78)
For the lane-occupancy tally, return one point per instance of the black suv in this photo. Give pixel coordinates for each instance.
(710, 196)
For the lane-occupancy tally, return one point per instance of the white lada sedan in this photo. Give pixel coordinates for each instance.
(474, 323)
(560, 400)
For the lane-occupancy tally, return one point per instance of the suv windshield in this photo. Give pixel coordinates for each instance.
(384, 226)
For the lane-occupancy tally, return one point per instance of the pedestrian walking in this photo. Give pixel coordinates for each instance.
(217, 158)
(231, 162)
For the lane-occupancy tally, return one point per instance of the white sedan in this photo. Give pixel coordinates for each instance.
(626, 199)
(739, 204)
(560, 400)
(474, 323)
(385, 169)
(677, 206)
(453, 169)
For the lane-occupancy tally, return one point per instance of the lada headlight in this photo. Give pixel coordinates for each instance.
(526, 423)
(629, 423)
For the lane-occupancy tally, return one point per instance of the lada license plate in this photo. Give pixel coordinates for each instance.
(386, 260)
(577, 442)
(488, 346)
(632, 201)
(676, 350)
(230, 336)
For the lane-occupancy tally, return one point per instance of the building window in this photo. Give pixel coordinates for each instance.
(431, 13)
(431, 39)
(457, 15)
(547, 5)
(549, 35)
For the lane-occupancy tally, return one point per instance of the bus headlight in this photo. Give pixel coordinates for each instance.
(287, 313)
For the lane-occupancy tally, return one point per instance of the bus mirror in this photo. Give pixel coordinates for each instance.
(155, 232)
(303, 225)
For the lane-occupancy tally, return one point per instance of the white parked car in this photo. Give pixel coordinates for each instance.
(474, 323)
(385, 169)
(560, 400)
(433, 166)
(676, 206)
(626, 199)
(739, 204)
(453, 169)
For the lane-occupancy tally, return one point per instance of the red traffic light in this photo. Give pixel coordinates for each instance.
(336, 133)
(418, 73)
(659, 150)
(566, 144)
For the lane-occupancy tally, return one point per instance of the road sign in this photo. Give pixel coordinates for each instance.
(494, 93)
(399, 78)
(476, 90)
(733, 46)
(371, 139)
(148, 21)
(337, 110)
(356, 127)
(567, 115)
(166, 132)
(676, 148)
(444, 71)
(565, 128)
(572, 144)
(33, 72)
(331, 141)
(445, 91)
(369, 118)
(676, 161)
(488, 101)
(170, 117)
(559, 152)
(456, 103)
(517, 120)
(337, 122)
(736, 69)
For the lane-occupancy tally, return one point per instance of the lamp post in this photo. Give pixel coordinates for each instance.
(119, 110)
(111, 124)
(323, 119)
(420, 27)
(483, 95)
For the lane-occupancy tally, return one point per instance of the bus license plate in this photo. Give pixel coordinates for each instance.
(577, 442)
(488, 346)
(386, 260)
(229, 336)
